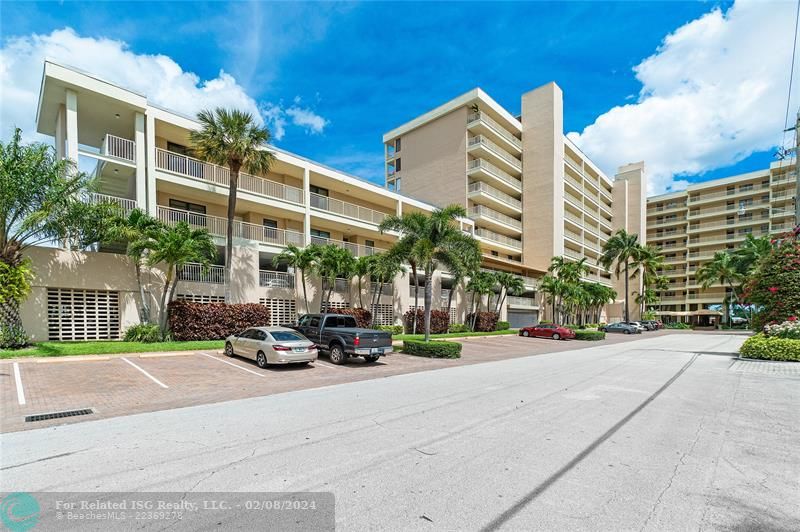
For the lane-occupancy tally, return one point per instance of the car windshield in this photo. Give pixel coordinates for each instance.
(286, 336)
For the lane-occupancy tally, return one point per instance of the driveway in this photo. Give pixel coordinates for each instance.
(645, 434)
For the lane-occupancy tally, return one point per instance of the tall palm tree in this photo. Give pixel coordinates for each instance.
(550, 286)
(621, 250)
(384, 268)
(649, 260)
(361, 268)
(721, 269)
(480, 284)
(233, 138)
(302, 259)
(750, 252)
(333, 262)
(139, 230)
(173, 247)
(509, 284)
(438, 241)
(406, 249)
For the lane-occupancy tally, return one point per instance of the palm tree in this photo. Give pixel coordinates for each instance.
(721, 269)
(302, 259)
(750, 252)
(383, 269)
(480, 284)
(139, 230)
(232, 138)
(550, 286)
(333, 262)
(362, 268)
(509, 284)
(173, 247)
(405, 249)
(622, 250)
(436, 241)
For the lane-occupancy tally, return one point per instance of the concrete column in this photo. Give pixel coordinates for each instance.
(244, 274)
(307, 203)
(399, 208)
(402, 297)
(72, 125)
(61, 131)
(436, 291)
(150, 177)
(140, 186)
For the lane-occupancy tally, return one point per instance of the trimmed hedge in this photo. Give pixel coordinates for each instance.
(677, 325)
(432, 349)
(440, 320)
(213, 321)
(394, 329)
(363, 316)
(146, 333)
(503, 326)
(771, 348)
(458, 328)
(486, 321)
(585, 334)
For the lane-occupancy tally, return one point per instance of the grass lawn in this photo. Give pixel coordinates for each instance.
(63, 349)
(452, 335)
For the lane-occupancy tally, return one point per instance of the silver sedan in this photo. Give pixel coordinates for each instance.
(271, 345)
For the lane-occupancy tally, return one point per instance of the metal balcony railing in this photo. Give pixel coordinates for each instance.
(497, 150)
(498, 238)
(496, 127)
(273, 279)
(502, 175)
(197, 273)
(343, 208)
(519, 301)
(483, 188)
(125, 204)
(481, 210)
(357, 250)
(118, 148)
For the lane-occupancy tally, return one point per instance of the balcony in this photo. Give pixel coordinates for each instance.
(218, 227)
(665, 208)
(699, 197)
(271, 279)
(126, 205)
(481, 144)
(522, 302)
(479, 119)
(350, 210)
(667, 222)
(483, 167)
(572, 235)
(574, 182)
(197, 273)
(496, 238)
(723, 238)
(788, 177)
(219, 175)
(572, 254)
(485, 214)
(506, 202)
(358, 250)
(118, 148)
(729, 209)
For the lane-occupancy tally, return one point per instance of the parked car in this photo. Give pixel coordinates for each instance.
(650, 324)
(737, 320)
(340, 337)
(620, 327)
(547, 330)
(638, 325)
(271, 345)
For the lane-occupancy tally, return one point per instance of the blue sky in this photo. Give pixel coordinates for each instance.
(359, 70)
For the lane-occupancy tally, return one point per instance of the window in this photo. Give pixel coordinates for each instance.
(314, 322)
(318, 190)
(303, 321)
(270, 229)
(249, 334)
(177, 148)
(397, 185)
(397, 165)
(260, 336)
(369, 243)
(731, 190)
(495, 254)
(287, 336)
(397, 145)
(745, 188)
(186, 206)
(340, 322)
(320, 234)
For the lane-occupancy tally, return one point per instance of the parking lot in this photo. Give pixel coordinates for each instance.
(120, 385)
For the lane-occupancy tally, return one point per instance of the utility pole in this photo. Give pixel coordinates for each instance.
(797, 170)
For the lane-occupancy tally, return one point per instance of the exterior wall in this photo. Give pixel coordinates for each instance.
(629, 195)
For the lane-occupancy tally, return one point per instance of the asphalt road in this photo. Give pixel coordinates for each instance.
(663, 433)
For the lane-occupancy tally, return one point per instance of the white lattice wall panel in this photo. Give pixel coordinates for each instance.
(383, 314)
(333, 305)
(82, 314)
(280, 310)
(200, 298)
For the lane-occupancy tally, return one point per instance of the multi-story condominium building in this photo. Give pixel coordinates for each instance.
(691, 225)
(530, 191)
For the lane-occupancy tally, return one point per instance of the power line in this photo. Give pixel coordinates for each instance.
(791, 70)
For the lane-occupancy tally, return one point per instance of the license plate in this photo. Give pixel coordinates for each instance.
(377, 350)
(299, 349)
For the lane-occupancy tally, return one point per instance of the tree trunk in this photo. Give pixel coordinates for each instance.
(360, 298)
(162, 321)
(473, 310)
(627, 317)
(450, 296)
(428, 297)
(416, 298)
(233, 185)
(305, 294)
(144, 312)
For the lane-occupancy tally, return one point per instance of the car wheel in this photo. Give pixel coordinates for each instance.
(626, 331)
(337, 355)
(261, 360)
(371, 358)
(525, 334)
(228, 349)
(556, 336)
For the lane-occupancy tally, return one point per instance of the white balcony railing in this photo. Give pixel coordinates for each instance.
(481, 140)
(125, 204)
(219, 226)
(118, 148)
(697, 197)
(197, 273)
(273, 279)
(358, 250)
(482, 188)
(498, 238)
(519, 301)
(343, 208)
(220, 175)
(502, 175)
(482, 211)
(497, 128)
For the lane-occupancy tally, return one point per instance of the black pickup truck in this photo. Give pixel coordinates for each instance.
(340, 337)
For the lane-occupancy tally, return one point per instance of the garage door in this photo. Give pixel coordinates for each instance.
(522, 318)
(82, 314)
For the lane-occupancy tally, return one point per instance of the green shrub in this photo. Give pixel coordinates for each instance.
(775, 285)
(145, 333)
(771, 348)
(485, 321)
(432, 349)
(677, 325)
(12, 336)
(458, 328)
(439, 321)
(214, 321)
(394, 329)
(503, 326)
(585, 334)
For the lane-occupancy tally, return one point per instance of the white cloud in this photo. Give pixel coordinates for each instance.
(712, 94)
(158, 76)
(308, 119)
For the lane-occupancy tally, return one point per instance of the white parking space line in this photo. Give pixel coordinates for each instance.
(234, 365)
(326, 365)
(18, 383)
(145, 373)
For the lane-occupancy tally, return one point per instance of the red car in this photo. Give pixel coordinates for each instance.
(548, 330)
